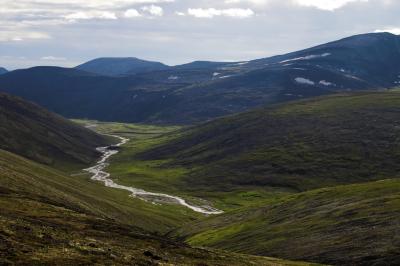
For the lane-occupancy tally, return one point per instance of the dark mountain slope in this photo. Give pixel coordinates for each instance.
(78, 94)
(3, 70)
(31, 131)
(308, 144)
(201, 91)
(120, 66)
(345, 225)
(368, 61)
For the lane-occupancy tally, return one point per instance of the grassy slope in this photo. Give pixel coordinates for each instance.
(345, 225)
(160, 175)
(303, 145)
(79, 193)
(35, 133)
(48, 218)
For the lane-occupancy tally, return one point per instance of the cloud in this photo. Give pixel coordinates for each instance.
(85, 15)
(391, 30)
(18, 36)
(329, 5)
(154, 10)
(212, 12)
(132, 13)
(53, 58)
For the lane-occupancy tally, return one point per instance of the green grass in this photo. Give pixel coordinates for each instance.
(344, 225)
(293, 147)
(49, 218)
(163, 175)
(275, 151)
(78, 192)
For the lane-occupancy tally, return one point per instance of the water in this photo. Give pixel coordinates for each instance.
(157, 198)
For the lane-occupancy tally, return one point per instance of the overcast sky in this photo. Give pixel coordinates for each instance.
(69, 32)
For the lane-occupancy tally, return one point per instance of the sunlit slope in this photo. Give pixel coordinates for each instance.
(345, 225)
(37, 182)
(47, 218)
(339, 139)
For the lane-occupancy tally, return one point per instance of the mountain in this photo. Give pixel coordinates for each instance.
(345, 225)
(78, 94)
(368, 61)
(49, 217)
(302, 145)
(120, 66)
(33, 132)
(201, 91)
(3, 70)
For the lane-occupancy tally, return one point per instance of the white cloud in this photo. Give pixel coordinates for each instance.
(391, 30)
(18, 36)
(255, 2)
(154, 10)
(329, 5)
(84, 15)
(53, 58)
(83, 3)
(132, 13)
(212, 12)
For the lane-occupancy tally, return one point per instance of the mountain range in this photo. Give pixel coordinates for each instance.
(293, 157)
(201, 91)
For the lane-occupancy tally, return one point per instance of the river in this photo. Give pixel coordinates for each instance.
(99, 174)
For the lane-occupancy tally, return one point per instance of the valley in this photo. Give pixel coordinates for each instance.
(291, 159)
(156, 198)
(265, 218)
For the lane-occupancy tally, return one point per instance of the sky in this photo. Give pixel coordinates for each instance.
(70, 32)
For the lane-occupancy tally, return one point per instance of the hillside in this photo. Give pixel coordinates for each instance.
(33, 132)
(78, 94)
(201, 91)
(49, 218)
(345, 225)
(120, 66)
(308, 144)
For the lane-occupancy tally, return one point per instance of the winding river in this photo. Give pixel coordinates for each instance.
(99, 174)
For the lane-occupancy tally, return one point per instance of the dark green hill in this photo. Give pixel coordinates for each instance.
(345, 225)
(120, 66)
(33, 132)
(302, 145)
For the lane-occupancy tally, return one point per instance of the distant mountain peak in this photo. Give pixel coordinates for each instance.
(3, 70)
(120, 66)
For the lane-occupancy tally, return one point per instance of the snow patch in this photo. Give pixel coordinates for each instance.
(224, 77)
(307, 57)
(216, 74)
(173, 77)
(326, 83)
(304, 81)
